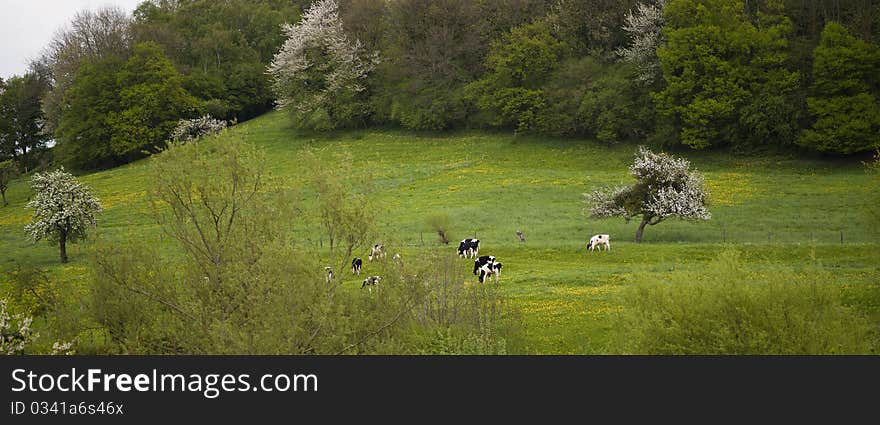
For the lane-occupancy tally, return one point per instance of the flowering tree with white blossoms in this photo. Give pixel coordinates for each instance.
(15, 331)
(195, 128)
(645, 29)
(64, 209)
(665, 187)
(319, 71)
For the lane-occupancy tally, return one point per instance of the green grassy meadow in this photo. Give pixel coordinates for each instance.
(781, 213)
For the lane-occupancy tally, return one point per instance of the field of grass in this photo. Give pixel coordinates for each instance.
(782, 213)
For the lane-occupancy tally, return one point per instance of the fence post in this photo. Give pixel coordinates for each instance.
(723, 235)
(421, 238)
(841, 236)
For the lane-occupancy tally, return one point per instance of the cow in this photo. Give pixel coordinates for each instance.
(356, 266)
(469, 248)
(599, 240)
(482, 261)
(520, 236)
(329, 271)
(378, 251)
(487, 270)
(370, 282)
(396, 258)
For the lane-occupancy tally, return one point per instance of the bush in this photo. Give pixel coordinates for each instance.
(196, 128)
(440, 223)
(726, 309)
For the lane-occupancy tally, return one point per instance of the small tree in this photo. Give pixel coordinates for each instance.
(8, 171)
(665, 187)
(344, 209)
(64, 209)
(440, 224)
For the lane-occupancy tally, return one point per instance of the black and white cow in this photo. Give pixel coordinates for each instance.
(396, 258)
(599, 240)
(469, 248)
(487, 270)
(378, 251)
(329, 271)
(482, 261)
(356, 265)
(370, 282)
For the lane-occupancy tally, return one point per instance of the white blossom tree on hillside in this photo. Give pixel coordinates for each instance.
(319, 72)
(64, 209)
(645, 28)
(665, 187)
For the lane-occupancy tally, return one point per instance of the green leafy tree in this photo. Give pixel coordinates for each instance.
(726, 77)
(8, 171)
(118, 109)
(843, 101)
(151, 101)
(517, 66)
(21, 119)
(64, 209)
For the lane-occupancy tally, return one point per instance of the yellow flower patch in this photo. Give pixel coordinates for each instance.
(729, 188)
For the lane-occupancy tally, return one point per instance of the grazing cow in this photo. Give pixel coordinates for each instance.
(599, 240)
(469, 248)
(482, 261)
(396, 258)
(370, 282)
(378, 251)
(356, 266)
(520, 236)
(329, 271)
(487, 270)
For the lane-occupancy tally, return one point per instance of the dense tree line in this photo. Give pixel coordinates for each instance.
(698, 73)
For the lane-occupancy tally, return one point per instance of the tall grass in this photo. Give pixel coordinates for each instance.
(728, 308)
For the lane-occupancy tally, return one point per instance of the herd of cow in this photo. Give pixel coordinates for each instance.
(485, 266)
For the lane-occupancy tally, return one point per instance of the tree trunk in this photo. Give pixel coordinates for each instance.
(641, 230)
(63, 243)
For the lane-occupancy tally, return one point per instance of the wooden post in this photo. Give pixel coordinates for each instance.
(841, 236)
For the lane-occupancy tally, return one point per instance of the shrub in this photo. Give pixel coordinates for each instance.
(727, 309)
(196, 128)
(440, 224)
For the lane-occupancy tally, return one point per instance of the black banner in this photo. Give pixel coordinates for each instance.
(123, 389)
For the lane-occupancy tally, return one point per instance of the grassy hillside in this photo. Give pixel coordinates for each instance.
(781, 213)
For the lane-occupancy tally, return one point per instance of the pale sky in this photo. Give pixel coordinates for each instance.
(26, 26)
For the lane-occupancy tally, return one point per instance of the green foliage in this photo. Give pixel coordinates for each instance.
(724, 74)
(517, 65)
(727, 308)
(432, 50)
(843, 102)
(32, 290)
(117, 109)
(228, 43)
(616, 107)
(21, 119)
(8, 171)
